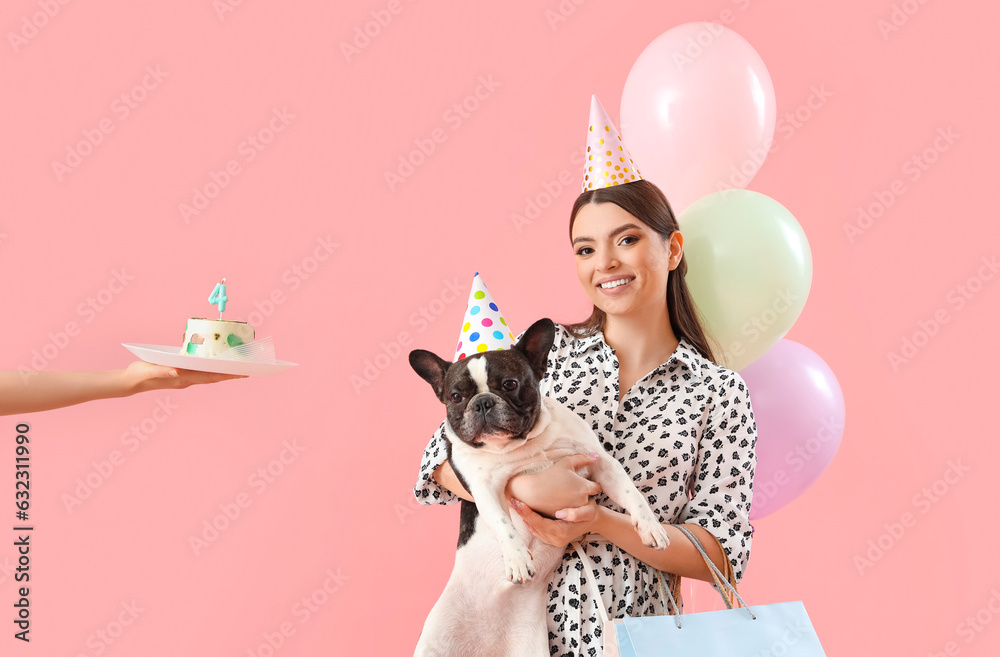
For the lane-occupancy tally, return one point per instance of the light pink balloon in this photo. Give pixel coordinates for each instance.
(698, 112)
(799, 410)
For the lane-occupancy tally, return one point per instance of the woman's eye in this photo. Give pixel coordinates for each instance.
(455, 397)
(510, 384)
(581, 251)
(630, 237)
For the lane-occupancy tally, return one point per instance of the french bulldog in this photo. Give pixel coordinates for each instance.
(499, 425)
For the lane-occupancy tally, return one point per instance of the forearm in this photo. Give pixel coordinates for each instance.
(680, 557)
(446, 476)
(42, 391)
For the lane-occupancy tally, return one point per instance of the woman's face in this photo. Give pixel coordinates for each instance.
(622, 263)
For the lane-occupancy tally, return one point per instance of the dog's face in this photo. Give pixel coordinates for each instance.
(492, 397)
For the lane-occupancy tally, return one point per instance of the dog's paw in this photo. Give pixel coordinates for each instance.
(519, 566)
(652, 533)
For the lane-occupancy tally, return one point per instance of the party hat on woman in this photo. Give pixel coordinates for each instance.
(608, 160)
(483, 328)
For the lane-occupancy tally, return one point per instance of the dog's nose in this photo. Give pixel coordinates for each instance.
(482, 405)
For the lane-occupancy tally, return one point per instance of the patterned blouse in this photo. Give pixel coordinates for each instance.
(685, 432)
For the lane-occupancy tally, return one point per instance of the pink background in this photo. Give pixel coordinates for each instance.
(343, 504)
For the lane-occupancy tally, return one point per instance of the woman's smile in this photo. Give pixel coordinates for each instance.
(615, 286)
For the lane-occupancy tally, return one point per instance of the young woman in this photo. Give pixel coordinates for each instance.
(641, 371)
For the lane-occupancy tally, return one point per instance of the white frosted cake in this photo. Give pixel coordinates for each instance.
(210, 337)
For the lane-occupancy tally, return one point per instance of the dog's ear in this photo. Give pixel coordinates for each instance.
(536, 343)
(431, 368)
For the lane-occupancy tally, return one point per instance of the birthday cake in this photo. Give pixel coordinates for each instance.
(210, 337)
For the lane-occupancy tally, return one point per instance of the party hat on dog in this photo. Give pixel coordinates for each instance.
(608, 160)
(483, 328)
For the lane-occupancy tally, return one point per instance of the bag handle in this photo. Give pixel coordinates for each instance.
(595, 593)
(591, 585)
(717, 577)
(712, 569)
(715, 570)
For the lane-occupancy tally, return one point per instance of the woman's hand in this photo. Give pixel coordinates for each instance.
(557, 487)
(573, 523)
(141, 376)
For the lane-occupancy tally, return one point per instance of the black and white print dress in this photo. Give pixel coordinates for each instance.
(685, 433)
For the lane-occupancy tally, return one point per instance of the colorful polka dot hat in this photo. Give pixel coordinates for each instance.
(608, 160)
(483, 328)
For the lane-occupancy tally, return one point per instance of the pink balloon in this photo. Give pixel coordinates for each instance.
(698, 112)
(799, 409)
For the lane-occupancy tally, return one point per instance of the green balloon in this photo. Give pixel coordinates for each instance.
(749, 270)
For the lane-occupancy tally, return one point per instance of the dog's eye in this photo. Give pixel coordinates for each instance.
(510, 384)
(455, 397)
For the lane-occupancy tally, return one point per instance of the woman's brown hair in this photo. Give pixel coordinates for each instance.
(644, 200)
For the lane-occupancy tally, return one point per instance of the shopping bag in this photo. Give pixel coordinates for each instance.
(775, 629)
(782, 628)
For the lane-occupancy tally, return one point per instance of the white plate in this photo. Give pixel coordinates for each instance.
(171, 357)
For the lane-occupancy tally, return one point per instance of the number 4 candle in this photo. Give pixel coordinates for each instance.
(219, 297)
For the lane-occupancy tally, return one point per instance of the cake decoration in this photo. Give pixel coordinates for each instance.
(218, 296)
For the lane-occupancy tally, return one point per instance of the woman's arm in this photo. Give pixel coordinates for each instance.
(554, 488)
(29, 392)
(680, 557)
(446, 476)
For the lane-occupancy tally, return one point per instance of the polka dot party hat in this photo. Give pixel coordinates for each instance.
(608, 160)
(483, 328)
